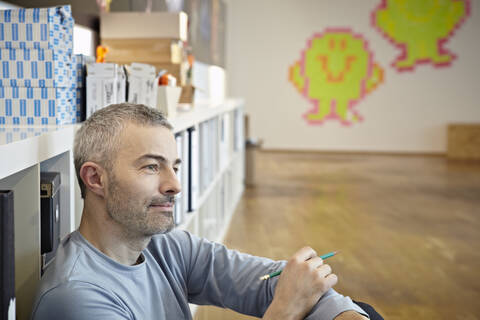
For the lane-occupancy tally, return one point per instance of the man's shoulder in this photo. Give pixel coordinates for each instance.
(69, 254)
(173, 240)
(174, 249)
(72, 268)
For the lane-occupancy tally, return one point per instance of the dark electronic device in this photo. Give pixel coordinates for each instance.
(7, 256)
(50, 215)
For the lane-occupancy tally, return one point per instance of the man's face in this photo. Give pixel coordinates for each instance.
(142, 183)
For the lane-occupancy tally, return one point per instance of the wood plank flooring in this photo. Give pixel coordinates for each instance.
(408, 228)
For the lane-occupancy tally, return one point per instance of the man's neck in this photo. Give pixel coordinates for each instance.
(110, 238)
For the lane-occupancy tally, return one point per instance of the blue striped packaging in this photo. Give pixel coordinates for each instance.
(47, 28)
(9, 135)
(41, 68)
(37, 106)
(81, 68)
(81, 62)
(80, 102)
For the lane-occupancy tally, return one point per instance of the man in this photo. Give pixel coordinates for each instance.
(125, 262)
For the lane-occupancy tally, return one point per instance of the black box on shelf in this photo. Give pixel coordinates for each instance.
(7, 256)
(50, 215)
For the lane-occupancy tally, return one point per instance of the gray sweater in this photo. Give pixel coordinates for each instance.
(178, 268)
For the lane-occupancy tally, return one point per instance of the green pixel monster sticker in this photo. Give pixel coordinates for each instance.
(335, 71)
(419, 28)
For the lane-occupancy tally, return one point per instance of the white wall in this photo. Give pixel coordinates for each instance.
(409, 112)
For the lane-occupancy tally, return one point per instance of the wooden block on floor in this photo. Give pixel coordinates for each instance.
(464, 141)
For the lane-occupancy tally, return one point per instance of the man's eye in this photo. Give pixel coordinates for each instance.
(152, 167)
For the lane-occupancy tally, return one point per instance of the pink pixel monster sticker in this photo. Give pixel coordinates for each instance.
(335, 71)
(420, 28)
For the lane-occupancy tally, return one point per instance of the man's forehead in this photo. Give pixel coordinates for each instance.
(139, 139)
(139, 130)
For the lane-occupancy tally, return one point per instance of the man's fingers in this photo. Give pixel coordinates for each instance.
(315, 262)
(324, 270)
(331, 279)
(304, 254)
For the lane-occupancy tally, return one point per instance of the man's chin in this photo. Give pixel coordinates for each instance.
(167, 227)
(161, 229)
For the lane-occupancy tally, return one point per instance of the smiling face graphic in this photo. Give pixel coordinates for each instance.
(420, 28)
(336, 62)
(335, 71)
(336, 59)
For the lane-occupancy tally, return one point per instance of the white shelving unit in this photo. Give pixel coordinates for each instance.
(27, 151)
(24, 153)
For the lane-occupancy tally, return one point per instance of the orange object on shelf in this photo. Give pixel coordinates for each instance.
(191, 60)
(101, 53)
(163, 80)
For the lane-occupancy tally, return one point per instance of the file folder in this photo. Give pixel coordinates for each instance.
(193, 169)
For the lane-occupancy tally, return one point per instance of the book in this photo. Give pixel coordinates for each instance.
(185, 170)
(238, 133)
(193, 169)
(178, 209)
(204, 154)
(224, 145)
(214, 149)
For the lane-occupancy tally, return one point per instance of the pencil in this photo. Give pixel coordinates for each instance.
(276, 273)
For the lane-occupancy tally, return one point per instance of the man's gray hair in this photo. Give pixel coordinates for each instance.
(97, 139)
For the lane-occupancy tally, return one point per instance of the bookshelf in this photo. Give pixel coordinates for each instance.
(27, 151)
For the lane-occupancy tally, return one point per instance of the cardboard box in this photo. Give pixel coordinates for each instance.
(121, 84)
(143, 50)
(37, 106)
(47, 28)
(102, 86)
(167, 100)
(40, 68)
(187, 94)
(81, 61)
(142, 84)
(143, 25)
(8, 135)
(178, 70)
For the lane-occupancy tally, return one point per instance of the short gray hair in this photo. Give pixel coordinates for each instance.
(97, 139)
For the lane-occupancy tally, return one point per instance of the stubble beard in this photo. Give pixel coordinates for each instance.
(132, 213)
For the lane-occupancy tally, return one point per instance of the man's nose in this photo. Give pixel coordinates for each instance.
(170, 184)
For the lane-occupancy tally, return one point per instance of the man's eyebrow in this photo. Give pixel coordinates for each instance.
(159, 158)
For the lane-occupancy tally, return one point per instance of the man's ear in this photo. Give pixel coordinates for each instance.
(93, 176)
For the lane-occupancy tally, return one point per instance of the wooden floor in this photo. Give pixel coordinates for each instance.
(408, 228)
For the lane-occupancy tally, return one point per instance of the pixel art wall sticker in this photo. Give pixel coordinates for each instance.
(420, 29)
(335, 71)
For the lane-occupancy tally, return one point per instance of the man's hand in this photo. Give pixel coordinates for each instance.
(302, 283)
